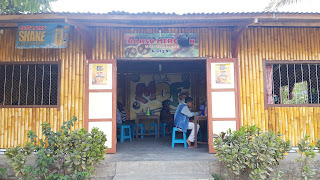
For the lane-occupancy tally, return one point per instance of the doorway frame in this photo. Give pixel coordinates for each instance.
(236, 89)
(113, 90)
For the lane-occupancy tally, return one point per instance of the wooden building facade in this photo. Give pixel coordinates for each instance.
(250, 38)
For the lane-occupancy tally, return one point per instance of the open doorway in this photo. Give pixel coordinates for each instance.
(143, 84)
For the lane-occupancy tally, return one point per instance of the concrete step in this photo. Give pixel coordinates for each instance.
(165, 177)
(162, 170)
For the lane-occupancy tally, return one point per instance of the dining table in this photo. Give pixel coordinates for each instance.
(147, 117)
(197, 120)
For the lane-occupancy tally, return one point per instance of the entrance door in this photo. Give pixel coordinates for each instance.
(223, 97)
(101, 99)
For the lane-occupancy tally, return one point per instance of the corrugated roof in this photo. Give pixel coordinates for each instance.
(151, 19)
(165, 14)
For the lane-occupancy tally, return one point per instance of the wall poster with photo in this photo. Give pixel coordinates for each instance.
(100, 76)
(222, 75)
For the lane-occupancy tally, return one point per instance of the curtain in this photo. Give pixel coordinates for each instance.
(269, 83)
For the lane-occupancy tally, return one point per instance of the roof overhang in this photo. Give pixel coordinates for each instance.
(168, 20)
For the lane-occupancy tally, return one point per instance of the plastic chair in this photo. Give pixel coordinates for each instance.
(155, 131)
(174, 140)
(163, 129)
(123, 134)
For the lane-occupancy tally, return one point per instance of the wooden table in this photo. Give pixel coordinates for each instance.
(145, 117)
(196, 120)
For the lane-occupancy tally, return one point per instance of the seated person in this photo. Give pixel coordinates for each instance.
(181, 119)
(121, 114)
(165, 115)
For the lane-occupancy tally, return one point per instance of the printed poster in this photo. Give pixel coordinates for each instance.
(38, 35)
(161, 45)
(223, 75)
(100, 76)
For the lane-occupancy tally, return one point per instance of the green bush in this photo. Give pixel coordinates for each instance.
(3, 173)
(250, 152)
(65, 154)
(307, 154)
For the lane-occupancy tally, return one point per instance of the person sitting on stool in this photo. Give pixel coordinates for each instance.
(165, 115)
(181, 119)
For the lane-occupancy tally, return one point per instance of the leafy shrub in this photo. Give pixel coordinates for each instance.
(307, 154)
(65, 154)
(3, 173)
(250, 152)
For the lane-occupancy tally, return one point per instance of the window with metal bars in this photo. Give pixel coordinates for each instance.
(29, 85)
(292, 83)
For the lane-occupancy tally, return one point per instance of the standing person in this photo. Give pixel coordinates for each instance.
(165, 114)
(181, 119)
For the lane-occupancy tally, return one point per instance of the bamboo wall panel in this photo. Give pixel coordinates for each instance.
(256, 44)
(15, 122)
(213, 42)
(276, 44)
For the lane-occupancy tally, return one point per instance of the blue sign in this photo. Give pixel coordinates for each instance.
(38, 35)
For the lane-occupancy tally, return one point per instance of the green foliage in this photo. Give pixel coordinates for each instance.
(216, 177)
(300, 92)
(318, 144)
(307, 154)
(275, 4)
(25, 6)
(3, 173)
(65, 154)
(251, 152)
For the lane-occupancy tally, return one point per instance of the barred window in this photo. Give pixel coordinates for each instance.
(292, 83)
(29, 85)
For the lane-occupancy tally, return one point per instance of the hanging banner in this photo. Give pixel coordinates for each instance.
(161, 45)
(38, 35)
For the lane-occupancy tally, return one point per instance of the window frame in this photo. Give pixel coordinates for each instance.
(58, 63)
(271, 62)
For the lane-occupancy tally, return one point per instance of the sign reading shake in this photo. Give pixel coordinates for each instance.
(49, 35)
(161, 45)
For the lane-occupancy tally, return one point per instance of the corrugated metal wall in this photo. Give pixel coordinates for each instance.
(256, 44)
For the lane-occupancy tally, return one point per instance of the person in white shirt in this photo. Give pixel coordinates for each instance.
(181, 119)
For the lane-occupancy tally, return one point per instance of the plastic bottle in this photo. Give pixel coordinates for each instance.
(148, 111)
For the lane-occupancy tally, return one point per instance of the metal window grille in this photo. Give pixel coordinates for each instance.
(295, 83)
(28, 84)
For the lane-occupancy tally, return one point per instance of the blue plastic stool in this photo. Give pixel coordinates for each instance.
(133, 130)
(174, 140)
(155, 131)
(163, 129)
(142, 129)
(123, 134)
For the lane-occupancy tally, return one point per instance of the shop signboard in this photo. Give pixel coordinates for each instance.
(42, 35)
(161, 45)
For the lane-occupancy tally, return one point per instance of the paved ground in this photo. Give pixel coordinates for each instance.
(150, 149)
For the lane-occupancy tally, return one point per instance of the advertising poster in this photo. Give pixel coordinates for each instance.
(161, 45)
(223, 75)
(100, 76)
(38, 35)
